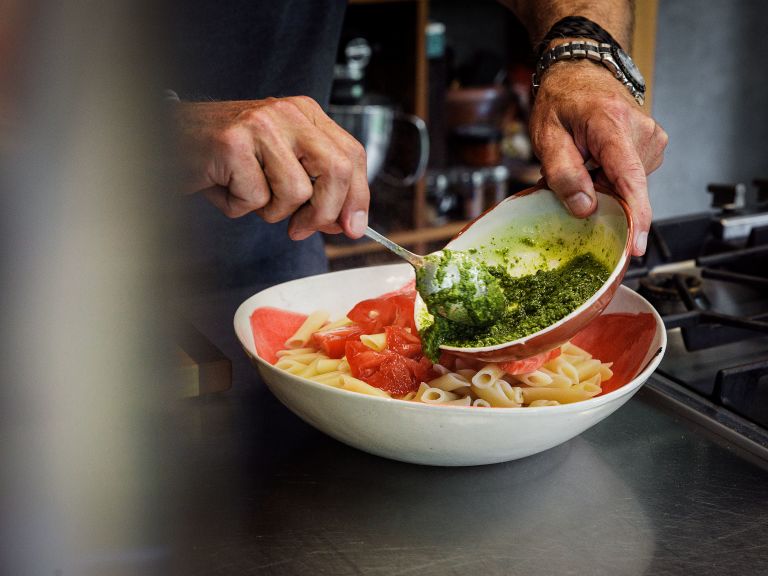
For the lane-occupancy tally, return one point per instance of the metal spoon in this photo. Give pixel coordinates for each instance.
(461, 288)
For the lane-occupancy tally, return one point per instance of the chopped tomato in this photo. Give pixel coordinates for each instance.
(529, 364)
(402, 341)
(376, 313)
(333, 342)
(421, 369)
(394, 376)
(388, 370)
(362, 360)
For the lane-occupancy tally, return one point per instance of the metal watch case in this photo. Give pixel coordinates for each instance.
(610, 56)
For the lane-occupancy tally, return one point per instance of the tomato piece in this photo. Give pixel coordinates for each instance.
(333, 342)
(403, 342)
(421, 369)
(394, 376)
(376, 313)
(372, 314)
(529, 364)
(362, 360)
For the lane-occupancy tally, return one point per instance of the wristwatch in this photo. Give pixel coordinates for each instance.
(597, 45)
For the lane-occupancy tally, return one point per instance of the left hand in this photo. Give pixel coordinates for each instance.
(582, 112)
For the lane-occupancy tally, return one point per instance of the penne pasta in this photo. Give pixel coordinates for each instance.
(420, 392)
(562, 395)
(467, 373)
(340, 323)
(329, 378)
(464, 401)
(535, 378)
(564, 368)
(437, 396)
(354, 385)
(375, 341)
(290, 366)
(325, 365)
(501, 394)
(449, 382)
(295, 351)
(306, 358)
(536, 403)
(487, 376)
(569, 348)
(588, 369)
(312, 324)
(571, 377)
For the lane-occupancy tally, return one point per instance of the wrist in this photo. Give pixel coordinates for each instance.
(610, 57)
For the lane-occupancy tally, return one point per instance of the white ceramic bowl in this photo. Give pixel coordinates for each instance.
(421, 433)
(540, 234)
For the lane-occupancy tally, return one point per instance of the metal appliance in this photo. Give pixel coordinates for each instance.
(707, 275)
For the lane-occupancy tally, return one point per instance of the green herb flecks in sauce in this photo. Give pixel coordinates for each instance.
(460, 287)
(532, 303)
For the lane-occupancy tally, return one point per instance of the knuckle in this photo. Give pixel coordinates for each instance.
(340, 168)
(299, 190)
(357, 153)
(662, 138)
(256, 198)
(231, 140)
(284, 106)
(323, 216)
(259, 119)
(615, 108)
(305, 100)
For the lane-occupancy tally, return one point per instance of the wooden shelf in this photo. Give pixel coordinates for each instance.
(405, 238)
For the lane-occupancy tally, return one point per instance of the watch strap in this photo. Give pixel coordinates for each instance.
(601, 53)
(575, 27)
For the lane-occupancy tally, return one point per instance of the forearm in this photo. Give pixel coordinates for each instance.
(538, 16)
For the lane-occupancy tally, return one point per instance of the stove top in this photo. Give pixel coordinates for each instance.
(707, 276)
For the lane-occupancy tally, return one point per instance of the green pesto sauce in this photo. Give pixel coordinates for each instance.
(475, 298)
(531, 303)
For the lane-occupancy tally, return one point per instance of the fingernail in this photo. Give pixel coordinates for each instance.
(358, 222)
(579, 204)
(641, 241)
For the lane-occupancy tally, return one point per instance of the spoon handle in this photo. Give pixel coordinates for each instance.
(414, 259)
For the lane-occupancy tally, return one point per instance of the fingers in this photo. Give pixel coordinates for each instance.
(623, 168)
(316, 171)
(333, 174)
(564, 171)
(353, 217)
(241, 184)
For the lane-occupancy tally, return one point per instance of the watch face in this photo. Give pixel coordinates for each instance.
(630, 69)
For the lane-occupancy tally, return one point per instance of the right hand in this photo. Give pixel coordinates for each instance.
(280, 158)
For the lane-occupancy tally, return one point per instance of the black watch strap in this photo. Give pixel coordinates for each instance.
(575, 27)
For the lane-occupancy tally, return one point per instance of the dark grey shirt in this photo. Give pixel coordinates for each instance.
(245, 50)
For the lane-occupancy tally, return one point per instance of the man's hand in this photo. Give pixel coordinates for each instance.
(582, 113)
(279, 158)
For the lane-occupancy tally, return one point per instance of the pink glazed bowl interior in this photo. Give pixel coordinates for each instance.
(537, 233)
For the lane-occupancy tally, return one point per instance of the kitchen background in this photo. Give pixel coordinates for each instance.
(707, 90)
(90, 454)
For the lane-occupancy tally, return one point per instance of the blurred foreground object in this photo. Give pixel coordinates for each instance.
(82, 206)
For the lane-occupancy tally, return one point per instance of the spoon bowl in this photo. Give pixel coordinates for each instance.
(445, 276)
(532, 231)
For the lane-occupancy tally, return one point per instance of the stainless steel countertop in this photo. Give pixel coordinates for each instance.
(643, 492)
